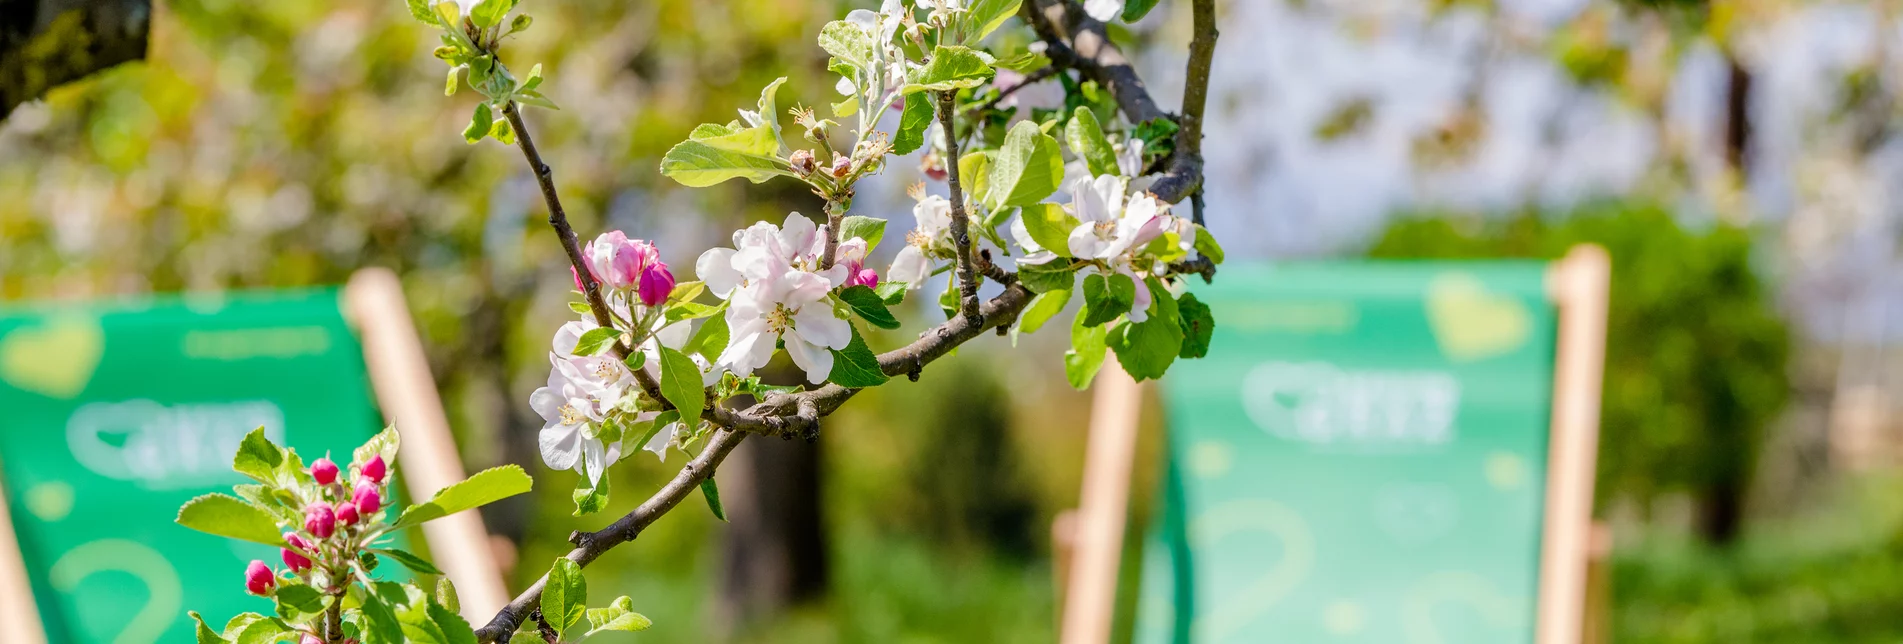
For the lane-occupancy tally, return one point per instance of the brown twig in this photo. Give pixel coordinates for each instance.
(960, 223)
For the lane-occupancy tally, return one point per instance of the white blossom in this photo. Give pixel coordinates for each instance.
(932, 233)
(1104, 10)
(572, 405)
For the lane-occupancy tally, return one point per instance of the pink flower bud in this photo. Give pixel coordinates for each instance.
(656, 283)
(310, 639)
(320, 520)
(346, 514)
(294, 561)
(366, 499)
(865, 277)
(616, 260)
(258, 578)
(577, 276)
(374, 470)
(325, 471)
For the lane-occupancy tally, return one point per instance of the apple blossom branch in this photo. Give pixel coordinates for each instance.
(1073, 40)
(960, 223)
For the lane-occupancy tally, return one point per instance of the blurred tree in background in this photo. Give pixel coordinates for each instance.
(1695, 352)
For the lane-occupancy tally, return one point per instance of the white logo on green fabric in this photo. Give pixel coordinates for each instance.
(166, 446)
(1321, 404)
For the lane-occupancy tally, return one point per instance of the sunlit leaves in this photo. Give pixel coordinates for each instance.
(1106, 297)
(1086, 139)
(952, 67)
(1086, 353)
(565, 595)
(1146, 349)
(479, 124)
(914, 122)
(1042, 308)
(715, 154)
(1026, 170)
(985, 16)
(856, 365)
(618, 616)
(1049, 226)
(485, 487)
(229, 516)
(681, 384)
(1198, 325)
(871, 229)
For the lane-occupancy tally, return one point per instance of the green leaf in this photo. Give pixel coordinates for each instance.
(1086, 139)
(455, 630)
(1086, 353)
(974, 173)
(252, 628)
(379, 620)
(1042, 308)
(449, 82)
(692, 311)
(847, 42)
(1105, 298)
(687, 291)
(710, 491)
(1198, 325)
(502, 132)
(479, 124)
(1027, 169)
(985, 16)
(1207, 246)
(565, 596)
(596, 340)
(619, 616)
(1134, 10)
(914, 122)
(488, 13)
(258, 458)
(868, 306)
(1046, 277)
(856, 365)
(487, 486)
(228, 516)
(591, 498)
(419, 9)
(409, 560)
(446, 595)
(1146, 349)
(892, 292)
(952, 67)
(680, 383)
(698, 163)
(706, 131)
(710, 339)
(636, 360)
(1024, 62)
(770, 111)
(871, 229)
(298, 599)
(205, 634)
(1050, 226)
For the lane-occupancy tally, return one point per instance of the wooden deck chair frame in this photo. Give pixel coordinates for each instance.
(1089, 540)
(406, 393)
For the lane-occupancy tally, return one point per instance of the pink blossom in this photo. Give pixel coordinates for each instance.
(864, 277)
(293, 556)
(325, 471)
(346, 514)
(258, 578)
(366, 499)
(618, 261)
(320, 520)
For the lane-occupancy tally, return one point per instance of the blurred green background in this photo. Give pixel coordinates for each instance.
(290, 143)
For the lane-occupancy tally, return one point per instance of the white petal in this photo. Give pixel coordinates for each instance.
(676, 335)
(816, 361)
(911, 266)
(1084, 241)
(1103, 10)
(1140, 308)
(593, 460)
(662, 439)
(546, 403)
(801, 288)
(1022, 235)
(561, 445)
(797, 234)
(715, 268)
(570, 335)
(816, 323)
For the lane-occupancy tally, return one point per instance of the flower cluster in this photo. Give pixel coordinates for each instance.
(929, 241)
(337, 522)
(590, 403)
(778, 292)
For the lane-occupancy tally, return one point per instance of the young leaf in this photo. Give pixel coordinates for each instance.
(952, 67)
(619, 616)
(974, 170)
(871, 229)
(712, 493)
(1105, 298)
(258, 458)
(384, 444)
(1146, 349)
(419, 9)
(770, 112)
(636, 360)
(692, 311)
(380, 625)
(747, 154)
(487, 486)
(891, 292)
(479, 124)
(446, 595)
(680, 383)
(847, 42)
(1086, 139)
(1134, 10)
(710, 339)
(987, 15)
(1207, 246)
(252, 628)
(868, 306)
(1042, 308)
(409, 560)
(914, 122)
(592, 497)
(205, 634)
(1086, 353)
(1198, 325)
(298, 599)
(228, 516)
(565, 596)
(488, 13)
(454, 628)
(1026, 169)
(1049, 226)
(856, 365)
(1049, 276)
(596, 340)
(687, 291)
